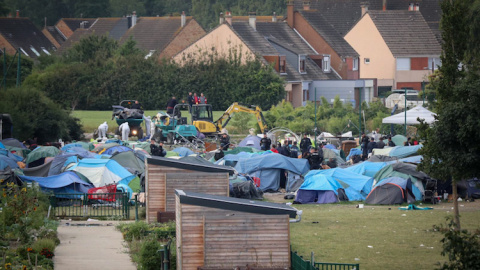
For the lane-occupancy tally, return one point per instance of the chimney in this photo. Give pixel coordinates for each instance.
(364, 7)
(252, 20)
(183, 19)
(290, 14)
(410, 7)
(228, 17)
(222, 19)
(416, 7)
(306, 5)
(134, 18)
(274, 17)
(384, 5)
(129, 21)
(18, 13)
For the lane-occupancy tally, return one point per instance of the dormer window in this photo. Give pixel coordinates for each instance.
(283, 65)
(301, 64)
(326, 63)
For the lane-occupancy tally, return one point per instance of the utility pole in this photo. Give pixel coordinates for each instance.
(405, 111)
(19, 69)
(315, 130)
(360, 111)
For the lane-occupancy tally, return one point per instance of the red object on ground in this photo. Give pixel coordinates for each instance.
(106, 193)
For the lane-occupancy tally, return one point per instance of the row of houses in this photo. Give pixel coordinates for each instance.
(350, 48)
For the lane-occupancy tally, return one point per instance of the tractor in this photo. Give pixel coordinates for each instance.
(174, 127)
(123, 113)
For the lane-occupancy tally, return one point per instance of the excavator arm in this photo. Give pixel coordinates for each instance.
(235, 108)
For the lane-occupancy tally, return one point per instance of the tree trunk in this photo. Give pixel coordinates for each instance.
(455, 205)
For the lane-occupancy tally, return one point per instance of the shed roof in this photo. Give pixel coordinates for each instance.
(22, 33)
(329, 33)
(405, 32)
(235, 204)
(182, 164)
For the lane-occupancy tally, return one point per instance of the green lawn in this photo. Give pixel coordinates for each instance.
(399, 239)
(92, 119)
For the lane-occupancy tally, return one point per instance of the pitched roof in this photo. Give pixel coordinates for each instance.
(269, 37)
(74, 38)
(21, 33)
(55, 34)
(235, 204)
(259, 18)
(405, 32)
(74, 23)
(343, 14)
(329, 33)
(182, 164)
(154, 33)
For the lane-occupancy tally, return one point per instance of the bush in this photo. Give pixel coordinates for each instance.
(149, 258)
(135, 230)
(43, 243)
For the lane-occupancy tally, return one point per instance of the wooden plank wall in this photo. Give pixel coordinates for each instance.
(219, 238)
(162, 181)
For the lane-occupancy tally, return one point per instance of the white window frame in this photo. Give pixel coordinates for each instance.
(302, 58)
(437, 62)
(355, 63)
(45, 51)
(404, 63)
(34, 51)
(326, 63)
(24, 52)
(366, 61)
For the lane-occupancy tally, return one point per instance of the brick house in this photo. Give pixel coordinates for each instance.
(396, 46)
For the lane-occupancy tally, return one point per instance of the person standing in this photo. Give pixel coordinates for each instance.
(305, 143)
(102, 130)
(364, 144)
(191, 101)
(265, 143)
(380, 144)
(390, 142)
(371, 145)
(315, 159)
(294, 150)
(196, 98)
(171, 105)
(124, 130)
(148, 125)
(224, 142)
(136, 105)
(202, 99)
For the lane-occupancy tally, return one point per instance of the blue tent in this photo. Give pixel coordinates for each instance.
(103, 172)
(7, 162)
(117, 149)
(359, 185)
(9, 154)
(414, 159)
(354, 152)
(232, 159)
(183, 151)
(70, 145)
(404, 151)
(318, 188)
(392, 190)
(252, 141)
(367, 168)
(67, 182)
(268, 167)
(2, 146)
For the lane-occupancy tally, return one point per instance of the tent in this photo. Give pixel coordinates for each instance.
(319, 188)
(412, 115)
(84, 145)
(116, 149)
(405, 171)
(130, 161)
(332, 153)
(101, 172)
(240, 149)
(7, 163)
(359, 185)
(9, 176)
(393, 190)
(103, 147)
(398, 140)
(60, 161)
(366, 168)
(67, 182)
(37, 156)
(183, 151)
(268, 167)
(39, 171)
(12, 142)
(251, 141)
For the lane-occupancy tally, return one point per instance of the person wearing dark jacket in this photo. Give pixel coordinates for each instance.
(364, 144)
(390, 142)
(136, 105)
(157, 150)
(380, 144)
(371, 145)
(265, 143)
(224, 142)
(190, 101)
(294, 150)
(315, 159)
(305, 143)
(171, 104)
(280, 148)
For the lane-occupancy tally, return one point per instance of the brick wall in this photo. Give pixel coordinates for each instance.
(414, 85)
(419, 63)
(5, 44)
(189, 34)
(63, 27)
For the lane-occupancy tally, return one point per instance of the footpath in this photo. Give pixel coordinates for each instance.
(91, 245)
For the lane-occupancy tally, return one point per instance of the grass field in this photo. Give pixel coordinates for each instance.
(377, 237)
(92, 119)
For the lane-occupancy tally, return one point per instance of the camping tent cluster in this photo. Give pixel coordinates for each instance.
(80, 167)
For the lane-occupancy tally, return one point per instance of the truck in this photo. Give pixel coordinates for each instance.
(123, 113)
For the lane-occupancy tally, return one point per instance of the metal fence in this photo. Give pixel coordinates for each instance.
(90, 205)
(298, 263)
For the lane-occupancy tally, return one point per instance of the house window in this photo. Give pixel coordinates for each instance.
(403, 63)
(355, 63)
(45, 51)
(301, 64)
(24, 52)
(326, 63)
(366, 61)
(34, 51)
(434, 63)
(283, 63)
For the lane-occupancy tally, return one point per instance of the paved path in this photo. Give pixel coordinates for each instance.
(98, 246)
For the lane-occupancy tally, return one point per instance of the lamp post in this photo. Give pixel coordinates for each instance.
(315, 130)
(423, 89)
(405, 111)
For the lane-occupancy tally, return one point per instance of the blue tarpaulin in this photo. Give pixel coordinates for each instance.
(116, 149)
(67, 182)
(354, 152)
(7, 162)
(361, 184)
(252, 141)
(367, 168)
(183, 151)
(404, 151)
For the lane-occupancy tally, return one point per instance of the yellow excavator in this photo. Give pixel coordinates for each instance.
(202, 117)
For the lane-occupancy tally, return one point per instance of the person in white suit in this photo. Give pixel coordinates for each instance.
(148, 124)
(102, 130)
(124, 130)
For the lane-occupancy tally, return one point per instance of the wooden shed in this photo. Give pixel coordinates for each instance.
(164, 175)
(217, 232)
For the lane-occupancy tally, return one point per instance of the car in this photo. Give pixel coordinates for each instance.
(402, 91)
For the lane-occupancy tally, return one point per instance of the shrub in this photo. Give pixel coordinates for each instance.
(134, 230)
(44, 243)
(149, 258)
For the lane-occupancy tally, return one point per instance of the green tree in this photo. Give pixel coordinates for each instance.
(452, 148)
(92, 8)
(121, 8)
(26, 67)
